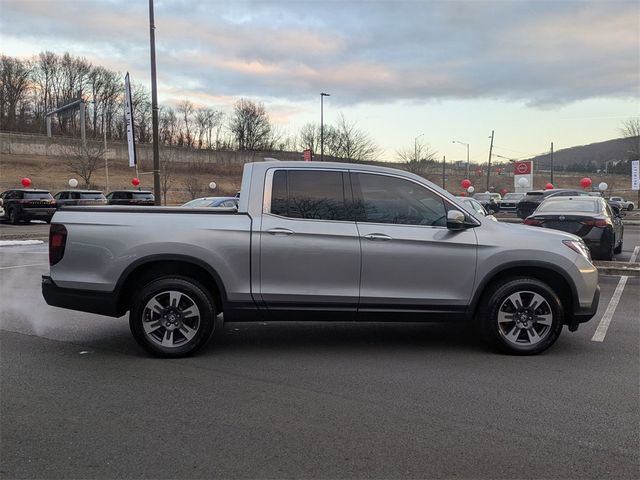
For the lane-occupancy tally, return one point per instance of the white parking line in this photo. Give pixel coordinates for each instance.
(22, 266)
(603, 326)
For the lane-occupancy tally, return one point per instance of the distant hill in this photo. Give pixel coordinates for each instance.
(588, 157)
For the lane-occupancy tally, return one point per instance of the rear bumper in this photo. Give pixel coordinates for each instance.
(102, 303)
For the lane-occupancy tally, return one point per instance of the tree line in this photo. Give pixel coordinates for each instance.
(30, 88)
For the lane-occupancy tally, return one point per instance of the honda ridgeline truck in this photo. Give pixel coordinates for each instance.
(319, 241)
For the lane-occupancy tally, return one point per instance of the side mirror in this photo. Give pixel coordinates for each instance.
(455, 220)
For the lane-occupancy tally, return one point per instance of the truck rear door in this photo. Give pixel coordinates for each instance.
(309, 246)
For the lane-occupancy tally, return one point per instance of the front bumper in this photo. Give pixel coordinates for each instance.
(102, 303)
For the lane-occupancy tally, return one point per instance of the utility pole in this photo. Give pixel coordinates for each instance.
(444, 166)
(106, 160)
(154, 108)
(551, 163)
(489, 166)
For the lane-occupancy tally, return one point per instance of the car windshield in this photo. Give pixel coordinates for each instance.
(37, 196)
(482, 197)
(199, 202)
(91, 195)
(566, 205)
(142, 196)
(512, 196)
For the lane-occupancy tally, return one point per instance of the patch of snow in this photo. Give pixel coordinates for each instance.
(14, 243)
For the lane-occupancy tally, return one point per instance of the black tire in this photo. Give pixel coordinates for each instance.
(543, 319)
(618, 249)
(151, 327)
(13, 217)
(629, 208)
(608, 249)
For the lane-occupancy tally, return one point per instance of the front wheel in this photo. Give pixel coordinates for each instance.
(172, 317)
(521, 316)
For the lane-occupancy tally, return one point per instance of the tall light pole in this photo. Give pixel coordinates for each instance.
(322, 95)
(489, 165)
(154, 107)
(415, 146)
(467, 145)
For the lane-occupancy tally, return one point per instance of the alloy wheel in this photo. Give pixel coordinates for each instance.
(524, 318)
(171, 319)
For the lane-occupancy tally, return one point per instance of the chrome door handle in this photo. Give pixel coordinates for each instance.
(377, 236)
(279, 231)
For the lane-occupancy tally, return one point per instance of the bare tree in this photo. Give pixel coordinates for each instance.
(167, 170)
(250, 125)
(310, 137)
(14, 83)
(185, 110)
(83, 161)
(194, 182)
(346, 141)
(418, 158)
(630, 130)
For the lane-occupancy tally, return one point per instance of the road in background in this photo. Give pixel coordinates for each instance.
(332, 400)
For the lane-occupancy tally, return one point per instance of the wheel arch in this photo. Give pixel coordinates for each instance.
(550, 274)
(156, 266)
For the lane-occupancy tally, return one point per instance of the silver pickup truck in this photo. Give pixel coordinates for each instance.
(319, 241)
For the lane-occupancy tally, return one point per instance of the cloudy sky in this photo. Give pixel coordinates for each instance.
(533, 71)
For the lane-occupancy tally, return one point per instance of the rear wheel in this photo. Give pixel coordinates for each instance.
(172, 317)
(618, 249)
(630, 207)
(521, 316)
(13, 217)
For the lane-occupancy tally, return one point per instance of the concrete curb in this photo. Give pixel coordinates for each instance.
(618, 268)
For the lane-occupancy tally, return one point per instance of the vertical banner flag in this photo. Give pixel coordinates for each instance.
(129, 119)
(635, 175)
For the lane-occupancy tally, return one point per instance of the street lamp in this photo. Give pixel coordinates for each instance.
(415, 146)
(467, 145)
(322, 95)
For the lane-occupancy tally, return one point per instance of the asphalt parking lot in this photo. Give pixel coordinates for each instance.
(78, 398)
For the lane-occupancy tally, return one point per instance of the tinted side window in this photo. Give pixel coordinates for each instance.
(386, 199)
(308, 194)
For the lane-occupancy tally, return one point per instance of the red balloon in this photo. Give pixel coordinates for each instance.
(25, 182)
(135, 182)
(586, 182)
(466, 183)
(548, 186)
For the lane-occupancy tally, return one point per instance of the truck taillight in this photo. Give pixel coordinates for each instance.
(57, 242)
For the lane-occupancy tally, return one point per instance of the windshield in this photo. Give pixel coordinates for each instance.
(565, 205)
(37, 196)
(198, 202)
(482, 196)
(142, 196)
(513, 196)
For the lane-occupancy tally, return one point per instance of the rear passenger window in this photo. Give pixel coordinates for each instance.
(308, 194)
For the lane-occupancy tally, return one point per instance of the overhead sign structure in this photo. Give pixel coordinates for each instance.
(131, 141)
(635, 175)
(522, 177)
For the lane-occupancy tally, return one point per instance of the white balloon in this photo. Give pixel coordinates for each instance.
(73, 183)
(212, 185)
(471, 189)
(523, 182)
(603, 186)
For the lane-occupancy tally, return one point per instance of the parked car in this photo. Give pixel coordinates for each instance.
(475, 207)
(510, 201)
(131, 197)
(326, 241)
(24, 204)
(215, 202)
(591, 218)
(68, 198)
(490, 201)
(532, 199)
(625, 204)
